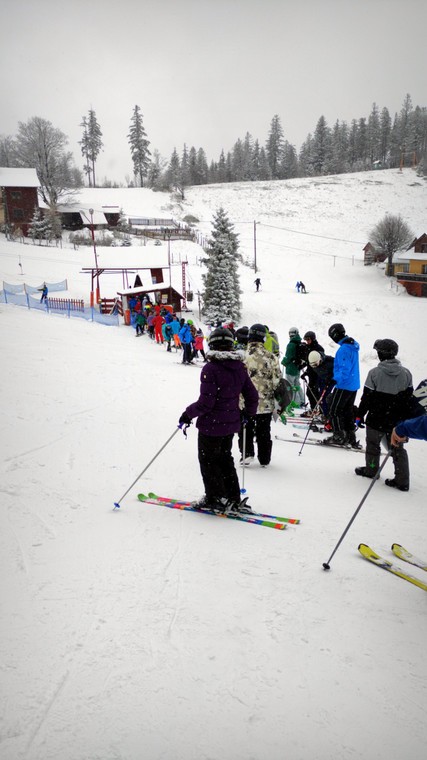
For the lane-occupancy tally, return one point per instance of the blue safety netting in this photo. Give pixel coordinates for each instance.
(89, 313)
(23, 287)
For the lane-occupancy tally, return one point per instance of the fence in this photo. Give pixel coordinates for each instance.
(111, 306)
(91, 314)
(65, 304)
(24, 288)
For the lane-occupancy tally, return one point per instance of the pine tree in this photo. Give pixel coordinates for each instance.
(38, 227)
(221, 296)
(84, 142)
(374, 135)
(274, 147)
(174, 171)
(139, 149)
(91, 143)
(385, 131)
(321, 148)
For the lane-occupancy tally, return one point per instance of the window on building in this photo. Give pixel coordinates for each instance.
(16, 195)
(405, 268)
(424, 248)
(424, 269)
(18, 213)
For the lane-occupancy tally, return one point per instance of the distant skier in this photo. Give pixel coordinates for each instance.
(298, 285)
(44, 293)
(302, 287)
(257, 284)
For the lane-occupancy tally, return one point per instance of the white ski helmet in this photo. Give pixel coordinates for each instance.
(314, 358)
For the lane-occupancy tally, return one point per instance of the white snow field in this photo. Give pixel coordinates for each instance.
(148, 633)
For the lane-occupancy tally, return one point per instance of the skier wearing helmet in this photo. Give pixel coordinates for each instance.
(223, 378)
(347, 383)
(387, 398)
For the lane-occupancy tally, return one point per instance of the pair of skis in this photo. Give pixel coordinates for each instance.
(268, 521)
(317, 442)
(391, 567)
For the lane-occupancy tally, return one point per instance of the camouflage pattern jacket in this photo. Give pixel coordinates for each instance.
(264, 371)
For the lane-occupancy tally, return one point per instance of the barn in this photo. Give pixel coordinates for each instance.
(18, 197)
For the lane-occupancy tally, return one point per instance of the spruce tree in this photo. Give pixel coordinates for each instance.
(91, 144)
(274, 147)
(138, 142)
(221, 296)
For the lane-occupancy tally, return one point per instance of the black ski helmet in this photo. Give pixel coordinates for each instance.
(242, 335)
(387, 348)
(257, 333)
(336, 332)
(221, 339)
(310, 335)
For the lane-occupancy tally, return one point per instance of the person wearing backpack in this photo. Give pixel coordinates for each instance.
(293, 360)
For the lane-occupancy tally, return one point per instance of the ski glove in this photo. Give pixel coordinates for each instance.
(184, 419)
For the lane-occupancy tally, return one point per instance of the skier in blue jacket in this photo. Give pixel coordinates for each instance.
(187, 341)
(347, 383)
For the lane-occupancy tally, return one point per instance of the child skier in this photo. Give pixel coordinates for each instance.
(223, 378)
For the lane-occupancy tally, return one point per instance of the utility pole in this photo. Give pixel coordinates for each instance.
(255, 267)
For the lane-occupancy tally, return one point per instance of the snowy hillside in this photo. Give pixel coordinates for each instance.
(153, 634)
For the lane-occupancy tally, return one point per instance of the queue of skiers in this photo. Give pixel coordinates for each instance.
(242, 387)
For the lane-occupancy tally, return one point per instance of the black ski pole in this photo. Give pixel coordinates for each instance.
(326, 565)
(311, 422)
(117, 503)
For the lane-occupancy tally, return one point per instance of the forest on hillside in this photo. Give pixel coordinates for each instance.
(373, 141)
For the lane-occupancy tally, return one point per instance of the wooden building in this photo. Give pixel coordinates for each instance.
(18, 197)
(371, 255)
(410, 267)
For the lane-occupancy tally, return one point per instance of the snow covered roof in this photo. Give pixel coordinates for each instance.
(75, 208)
(136, 291)
(11, 177)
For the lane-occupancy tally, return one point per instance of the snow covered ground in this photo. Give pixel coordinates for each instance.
(153, 634)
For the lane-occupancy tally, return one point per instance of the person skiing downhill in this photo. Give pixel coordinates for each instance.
(223, 378)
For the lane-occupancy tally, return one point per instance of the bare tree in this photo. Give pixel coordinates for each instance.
(390, 235)
(41, 146)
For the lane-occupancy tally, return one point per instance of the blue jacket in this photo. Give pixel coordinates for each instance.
(416, 428)
(185, 334)
(346, 365)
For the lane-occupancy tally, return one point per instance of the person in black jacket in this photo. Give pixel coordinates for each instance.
(387, 398)
(323, 366)
(309, 373)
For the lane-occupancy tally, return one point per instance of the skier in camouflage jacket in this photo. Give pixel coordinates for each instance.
(264, 371)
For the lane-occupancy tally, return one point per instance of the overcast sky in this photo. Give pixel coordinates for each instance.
(205, 72)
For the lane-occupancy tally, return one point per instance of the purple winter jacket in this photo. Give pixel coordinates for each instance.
(222, 380)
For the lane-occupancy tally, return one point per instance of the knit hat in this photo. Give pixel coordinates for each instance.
(314, 358)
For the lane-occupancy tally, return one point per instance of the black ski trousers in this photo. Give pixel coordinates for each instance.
(398, 453)
(341, 412)
(258, 427)
(217, 467)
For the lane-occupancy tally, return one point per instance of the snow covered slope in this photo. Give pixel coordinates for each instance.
(153, 634)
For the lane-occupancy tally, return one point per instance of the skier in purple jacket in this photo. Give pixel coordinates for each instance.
(223, 378)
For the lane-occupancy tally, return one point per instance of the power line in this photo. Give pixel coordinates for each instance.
(311, 234)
